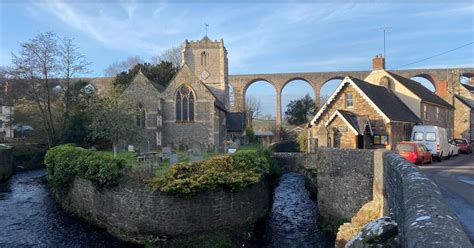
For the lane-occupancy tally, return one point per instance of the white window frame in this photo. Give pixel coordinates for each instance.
(346, 98)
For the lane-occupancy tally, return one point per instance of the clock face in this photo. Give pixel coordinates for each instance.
(205, 75)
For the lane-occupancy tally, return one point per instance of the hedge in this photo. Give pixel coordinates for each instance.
(64, 162)
(230, 172)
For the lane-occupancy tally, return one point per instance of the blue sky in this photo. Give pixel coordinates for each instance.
(273, 36)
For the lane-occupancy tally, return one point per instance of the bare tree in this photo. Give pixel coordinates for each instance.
(172, 55)
(122, 66)
(37, 63)
(252, 109)
(323, 99)
(71, 63)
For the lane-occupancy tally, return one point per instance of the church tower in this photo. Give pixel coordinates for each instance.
(208, 60)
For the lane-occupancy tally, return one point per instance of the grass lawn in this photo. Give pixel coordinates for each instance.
(131, 159)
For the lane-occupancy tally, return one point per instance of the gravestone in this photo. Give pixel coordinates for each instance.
(173, 158)
(166, 152)
(195, 154)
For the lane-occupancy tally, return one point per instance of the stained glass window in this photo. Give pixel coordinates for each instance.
(184, 104)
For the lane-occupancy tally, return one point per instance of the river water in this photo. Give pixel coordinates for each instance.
(30, 217)
(293, 219)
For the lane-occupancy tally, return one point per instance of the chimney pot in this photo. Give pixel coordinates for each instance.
(378, 62)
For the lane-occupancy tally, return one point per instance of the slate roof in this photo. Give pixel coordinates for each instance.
(359, 123)
(421, 91)
(386, 101)
(235, 122)
(468, 87)
(468, 102)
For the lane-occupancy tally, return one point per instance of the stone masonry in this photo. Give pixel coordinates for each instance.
(132, 212)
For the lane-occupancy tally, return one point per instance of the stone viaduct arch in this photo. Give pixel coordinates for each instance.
(240, 83)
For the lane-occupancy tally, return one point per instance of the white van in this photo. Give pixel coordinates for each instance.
(435, 139)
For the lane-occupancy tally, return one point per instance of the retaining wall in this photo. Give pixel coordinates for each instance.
(346, 179)
(342, 178)
(134, 213)
(5, 163)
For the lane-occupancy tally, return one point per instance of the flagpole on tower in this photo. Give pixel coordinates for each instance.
(206, 27)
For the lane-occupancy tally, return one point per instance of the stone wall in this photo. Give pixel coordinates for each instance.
(417, 205)
(5, 163)
(342, 178)
(346, 179)
(134, 213)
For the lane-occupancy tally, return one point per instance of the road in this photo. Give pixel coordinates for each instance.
(455, 178)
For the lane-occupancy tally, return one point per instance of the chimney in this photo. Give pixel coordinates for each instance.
(378, 62)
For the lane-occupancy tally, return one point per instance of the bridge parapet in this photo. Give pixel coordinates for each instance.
(346, 179)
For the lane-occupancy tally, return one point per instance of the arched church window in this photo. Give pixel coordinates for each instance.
(203, 58)
(184, 104)
(140, 115)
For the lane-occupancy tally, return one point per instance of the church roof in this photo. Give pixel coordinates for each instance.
(205, 39)
(421, 91)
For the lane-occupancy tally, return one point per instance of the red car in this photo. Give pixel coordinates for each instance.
(464, 145)
(414, 152)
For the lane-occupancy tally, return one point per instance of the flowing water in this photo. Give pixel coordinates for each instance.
(30, 217)
(293, 219)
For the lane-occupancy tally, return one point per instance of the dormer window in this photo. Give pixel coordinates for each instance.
(349, 102)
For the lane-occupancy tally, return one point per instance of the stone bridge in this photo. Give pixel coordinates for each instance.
(240, 83)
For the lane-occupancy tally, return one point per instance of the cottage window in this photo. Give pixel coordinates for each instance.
(380, 139)
(184, 104)
(140, 115)
(158, 138)
(349, 100)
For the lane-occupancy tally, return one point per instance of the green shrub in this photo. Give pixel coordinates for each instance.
(230, 172)
(67, 161)
(250, 134)
(303, 140)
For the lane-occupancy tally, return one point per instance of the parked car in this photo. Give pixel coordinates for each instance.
(453, 149)
(22, 130)
(434, 138)
(414, 152)
(463, 145)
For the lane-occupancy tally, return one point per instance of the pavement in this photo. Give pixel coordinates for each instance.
(455, 178)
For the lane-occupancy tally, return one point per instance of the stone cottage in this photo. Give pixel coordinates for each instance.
(193, 107)
(429, 107)
(361, 115)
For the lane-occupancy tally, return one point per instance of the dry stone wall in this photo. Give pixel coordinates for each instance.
(132, 212)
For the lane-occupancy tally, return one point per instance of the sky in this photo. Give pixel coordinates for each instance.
(266, 37)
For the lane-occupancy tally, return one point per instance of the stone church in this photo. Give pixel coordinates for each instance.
(193, 108)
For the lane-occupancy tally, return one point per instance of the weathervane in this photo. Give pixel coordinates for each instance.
(206, 26)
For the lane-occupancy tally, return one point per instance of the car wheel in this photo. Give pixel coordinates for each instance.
(422, 160)
(431, 159)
